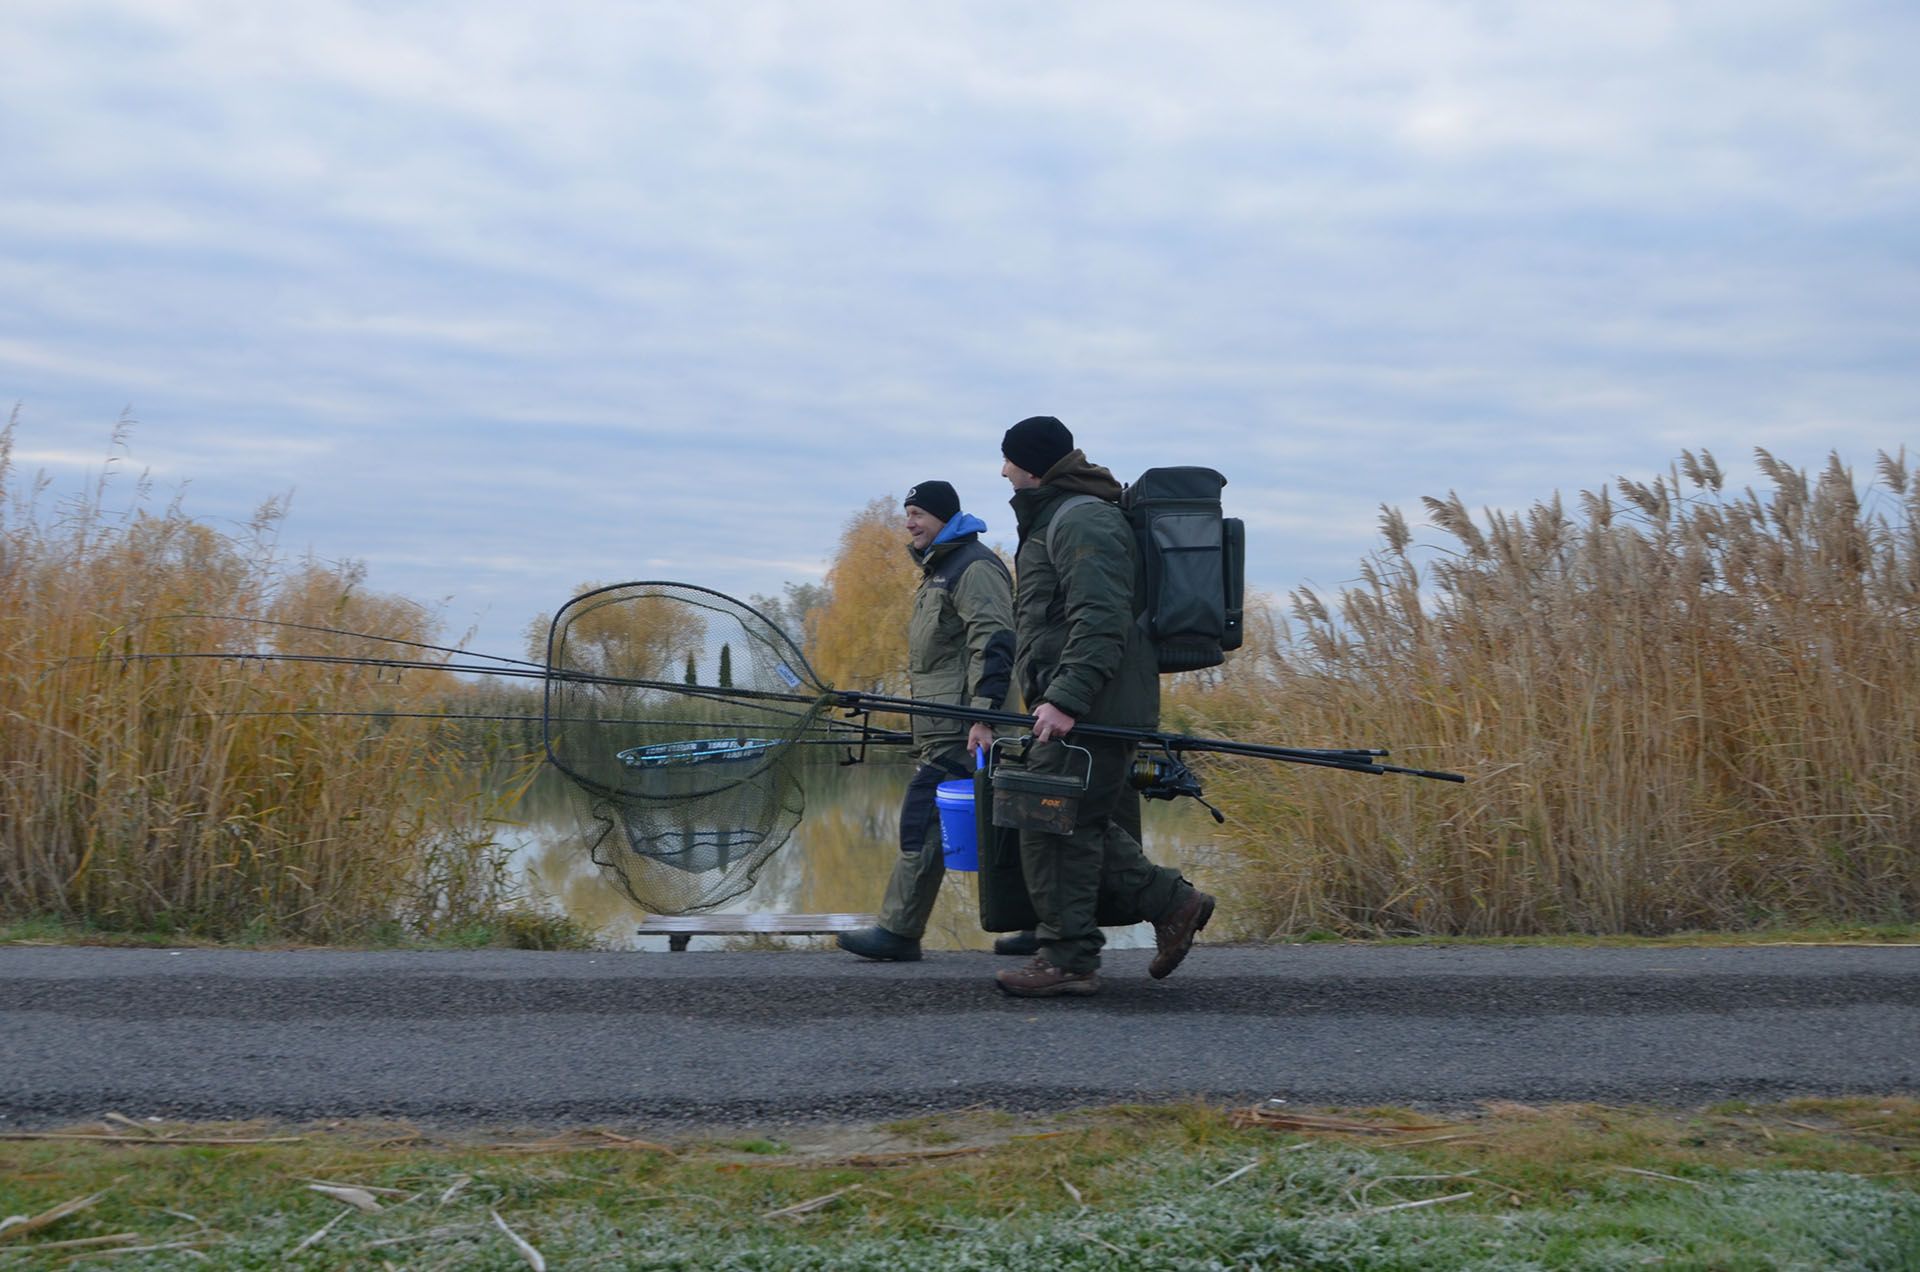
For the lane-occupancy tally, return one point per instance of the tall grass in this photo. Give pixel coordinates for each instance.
(143, 786)
(1679, 707)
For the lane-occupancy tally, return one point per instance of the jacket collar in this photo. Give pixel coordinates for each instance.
(963, 526)
(1073, 475)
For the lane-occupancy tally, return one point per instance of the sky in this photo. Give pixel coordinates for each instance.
(507, 298)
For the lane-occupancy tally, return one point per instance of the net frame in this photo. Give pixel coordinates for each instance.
(679, 815)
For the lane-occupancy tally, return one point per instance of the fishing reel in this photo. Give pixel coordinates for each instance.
(1163, 776)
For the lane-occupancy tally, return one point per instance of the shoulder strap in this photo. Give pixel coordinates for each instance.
(1142, 619)
(1066, 505)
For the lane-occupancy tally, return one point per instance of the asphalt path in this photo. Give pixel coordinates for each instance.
(503, 1038)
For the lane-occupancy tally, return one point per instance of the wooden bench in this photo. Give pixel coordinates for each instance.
(681, 928)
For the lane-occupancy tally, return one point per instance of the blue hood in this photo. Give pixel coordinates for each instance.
(962, 523)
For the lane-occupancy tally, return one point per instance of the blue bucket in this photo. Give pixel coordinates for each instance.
(955, 802)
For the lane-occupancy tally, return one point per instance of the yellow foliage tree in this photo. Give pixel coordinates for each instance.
(858, 638)
(641, 638)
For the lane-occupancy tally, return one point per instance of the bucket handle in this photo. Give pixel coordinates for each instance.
(1026, 742)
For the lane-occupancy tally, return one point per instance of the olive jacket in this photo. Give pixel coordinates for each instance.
(960, 638)
(1078, 642)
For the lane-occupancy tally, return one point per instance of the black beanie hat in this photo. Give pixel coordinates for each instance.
(936, 497)
(1037, 443)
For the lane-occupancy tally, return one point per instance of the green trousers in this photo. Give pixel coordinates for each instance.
(1099, 872)
(914, 885)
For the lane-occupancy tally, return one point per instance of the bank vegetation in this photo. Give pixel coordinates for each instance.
(147, 786)
(1681, 705)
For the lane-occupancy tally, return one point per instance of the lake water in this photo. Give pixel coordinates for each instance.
(836, 862)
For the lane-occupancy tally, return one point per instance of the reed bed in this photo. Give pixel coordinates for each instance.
(144, 786)
(1679, 707)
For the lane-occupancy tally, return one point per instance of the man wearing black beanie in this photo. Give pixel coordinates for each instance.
(1036, 444)
(1080, 656)
(959, 650)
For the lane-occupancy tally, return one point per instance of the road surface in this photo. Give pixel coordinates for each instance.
(507, 1038)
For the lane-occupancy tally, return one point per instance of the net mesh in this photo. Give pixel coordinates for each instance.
(676, 712)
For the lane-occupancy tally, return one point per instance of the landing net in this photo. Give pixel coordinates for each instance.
(676, 711)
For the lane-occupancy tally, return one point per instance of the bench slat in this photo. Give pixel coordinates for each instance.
(738, 924)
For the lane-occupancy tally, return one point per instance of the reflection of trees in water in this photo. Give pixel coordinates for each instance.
(836, 862)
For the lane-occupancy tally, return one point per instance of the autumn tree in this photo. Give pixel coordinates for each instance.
(633, 637)
(857, 638)
(793, 612)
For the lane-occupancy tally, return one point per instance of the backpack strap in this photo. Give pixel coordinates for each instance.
(1143, 620)
(1066, 505)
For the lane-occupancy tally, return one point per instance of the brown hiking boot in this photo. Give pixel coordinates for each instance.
(1173, 934)
(1041, 979)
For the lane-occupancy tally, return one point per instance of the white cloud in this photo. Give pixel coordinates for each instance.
(509, 297)
(25, 358)
(31, 457)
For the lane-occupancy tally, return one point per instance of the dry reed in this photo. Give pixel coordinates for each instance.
(194, 795)
(1684, 708)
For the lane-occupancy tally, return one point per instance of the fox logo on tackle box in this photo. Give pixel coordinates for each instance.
(1192, 562)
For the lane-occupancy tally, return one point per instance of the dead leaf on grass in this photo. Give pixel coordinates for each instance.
(532, 1256)
(319, 1232)
(811, 1205)
(1654, 1174)
(16, 1226)
(80, 1243)
(1284, 1120)
(122, 1119)
(358, 1198)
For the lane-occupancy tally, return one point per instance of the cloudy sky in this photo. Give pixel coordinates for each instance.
(512, 297)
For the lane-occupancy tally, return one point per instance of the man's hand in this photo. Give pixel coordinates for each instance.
(979, 737)
(1050, 722)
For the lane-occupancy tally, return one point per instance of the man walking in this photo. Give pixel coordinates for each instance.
(959, 650)
(1081, 656)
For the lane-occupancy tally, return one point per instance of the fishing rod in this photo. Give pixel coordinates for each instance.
(536, 667)
(853, 702)
(852, 732)
(1351, 759)
(512, 668)
(761, 700)
(681, 789)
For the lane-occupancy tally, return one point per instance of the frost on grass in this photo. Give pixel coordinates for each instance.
(1318, 1206)
(1302, 1210)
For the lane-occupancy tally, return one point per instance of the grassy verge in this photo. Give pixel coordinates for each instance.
(1808, 1184)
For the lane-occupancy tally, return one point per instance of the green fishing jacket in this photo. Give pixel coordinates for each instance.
(960, 638)
(1078, 644)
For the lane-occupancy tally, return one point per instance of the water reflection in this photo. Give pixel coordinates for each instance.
(836, 862)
